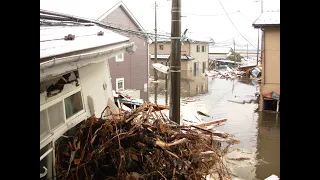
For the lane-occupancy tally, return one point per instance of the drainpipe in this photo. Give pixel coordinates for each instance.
(64, 60)
(263, 55)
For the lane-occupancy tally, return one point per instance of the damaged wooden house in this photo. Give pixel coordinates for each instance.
(75, 80)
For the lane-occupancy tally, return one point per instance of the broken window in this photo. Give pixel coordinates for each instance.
(55, 85)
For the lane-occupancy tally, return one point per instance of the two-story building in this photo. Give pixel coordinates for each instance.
(194, 55)
(269, 23)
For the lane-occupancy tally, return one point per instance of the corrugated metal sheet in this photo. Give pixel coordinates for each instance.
(165, 56)
(268, 18)
(52, 39)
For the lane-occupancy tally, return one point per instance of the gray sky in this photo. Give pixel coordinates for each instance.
(204, 18)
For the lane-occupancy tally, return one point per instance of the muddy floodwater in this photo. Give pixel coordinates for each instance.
(258, 132)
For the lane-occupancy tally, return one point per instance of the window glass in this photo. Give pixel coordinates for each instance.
(73, 104)
(55, 113)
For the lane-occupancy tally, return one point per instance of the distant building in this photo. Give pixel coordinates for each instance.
(219, 53)
(194, 55)
(128, 71)
(269, 23)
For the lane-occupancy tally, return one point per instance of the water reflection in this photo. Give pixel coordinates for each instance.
(193, 83)
(268, 146)
(259, 133)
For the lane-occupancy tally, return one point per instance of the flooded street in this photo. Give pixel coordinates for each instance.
(259, 133)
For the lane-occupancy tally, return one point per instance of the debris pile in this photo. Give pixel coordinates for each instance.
(141, 144)
(230, 73)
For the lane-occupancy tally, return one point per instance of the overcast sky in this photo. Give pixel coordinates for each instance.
(204, 18)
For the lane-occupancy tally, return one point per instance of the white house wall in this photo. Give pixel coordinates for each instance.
(92, 79)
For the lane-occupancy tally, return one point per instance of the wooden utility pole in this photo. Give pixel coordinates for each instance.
(259, 33)
(247, 52)
(175, 65)
(234, 50)
(155, 53)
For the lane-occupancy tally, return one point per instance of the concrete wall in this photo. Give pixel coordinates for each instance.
(134, 68)
(270, 80)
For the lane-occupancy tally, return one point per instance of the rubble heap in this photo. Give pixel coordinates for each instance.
(140, 144)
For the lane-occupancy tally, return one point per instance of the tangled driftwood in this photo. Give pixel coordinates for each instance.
(139, 145)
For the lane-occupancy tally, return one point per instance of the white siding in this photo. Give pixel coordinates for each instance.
(92, 78)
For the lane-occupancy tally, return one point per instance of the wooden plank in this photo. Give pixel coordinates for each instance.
(211, 122)
(160, 106)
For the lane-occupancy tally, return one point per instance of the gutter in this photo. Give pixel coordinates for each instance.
(80, 57)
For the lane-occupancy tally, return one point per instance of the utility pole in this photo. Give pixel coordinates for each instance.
(234, 50)
(155, 53)
(247, 52)
(175, 65)
(166, 84)
(259, 33)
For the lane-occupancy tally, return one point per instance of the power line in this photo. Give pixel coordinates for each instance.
(246, 18)
(235, 26)
(211, 14)
(227, 39)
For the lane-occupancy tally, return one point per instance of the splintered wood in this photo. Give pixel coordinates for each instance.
(140, 144)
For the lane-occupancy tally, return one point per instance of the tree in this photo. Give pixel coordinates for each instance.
(235, 57)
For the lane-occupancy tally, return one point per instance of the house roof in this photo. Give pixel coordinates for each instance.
(121, 4)
(85, 9)
(217, 50)
(166, 56)
(52, 41)
(269, 18)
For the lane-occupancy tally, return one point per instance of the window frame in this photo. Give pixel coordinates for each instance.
(117, 80)
(66, 120)
(120, 59)
(198, 48)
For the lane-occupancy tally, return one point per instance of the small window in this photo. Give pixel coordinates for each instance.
(55, 114)
(119, 57)
(44, 127)
(161, 47)
(198, 48)
(119, 84)
(203, 48)
(204, 67)
(73, 104)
